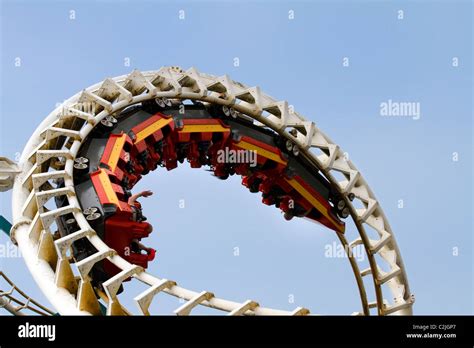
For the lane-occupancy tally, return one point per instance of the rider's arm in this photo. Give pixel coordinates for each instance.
(134, 197)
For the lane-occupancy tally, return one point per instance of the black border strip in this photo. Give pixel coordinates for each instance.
(242, 330)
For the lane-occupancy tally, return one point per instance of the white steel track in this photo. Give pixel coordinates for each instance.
(42, 162)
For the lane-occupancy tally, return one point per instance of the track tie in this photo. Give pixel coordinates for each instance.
(112, 286)
(87, 96)
(248, 305)
(55, 132)
(300, 311)
(85, 265)
(64, 243)
(186, 308)
(42, 197)
(40, 178)
(144, 299)
(44, 155)
(110, 90)
(49, 217)
(30, 207)
(26, 181)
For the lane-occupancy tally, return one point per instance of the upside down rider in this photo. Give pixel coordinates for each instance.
(136, 245)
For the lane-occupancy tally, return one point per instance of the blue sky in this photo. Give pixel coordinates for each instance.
(299, 60)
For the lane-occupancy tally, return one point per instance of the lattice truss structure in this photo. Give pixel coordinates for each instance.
(43, 161)
(16, 301)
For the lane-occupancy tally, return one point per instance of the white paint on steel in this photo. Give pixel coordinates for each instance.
(8, 171)
(115, 94)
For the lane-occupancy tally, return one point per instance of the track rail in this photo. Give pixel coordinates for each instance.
(45, 158)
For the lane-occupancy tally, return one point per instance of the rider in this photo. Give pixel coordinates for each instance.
(136, 246)
(136, 206)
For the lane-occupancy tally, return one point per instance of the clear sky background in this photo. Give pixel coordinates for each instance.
(299, 60)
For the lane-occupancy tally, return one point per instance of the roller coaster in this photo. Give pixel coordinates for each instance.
(80, 233)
